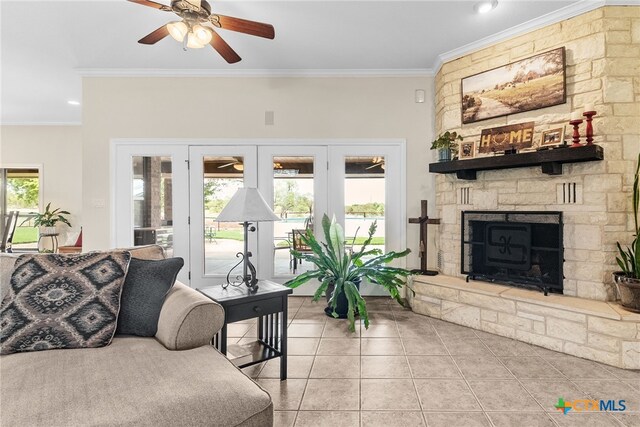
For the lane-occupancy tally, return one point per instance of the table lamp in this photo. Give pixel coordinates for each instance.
(246, 206)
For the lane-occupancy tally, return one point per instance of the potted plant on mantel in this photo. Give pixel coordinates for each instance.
(46, 221)
(628, 280)
(340, 271)
(446, 144)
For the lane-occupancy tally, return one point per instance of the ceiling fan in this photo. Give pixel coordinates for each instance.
(196, 27)
(235, 161)
(377, 161)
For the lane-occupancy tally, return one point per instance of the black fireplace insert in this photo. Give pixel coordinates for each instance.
(516, 248)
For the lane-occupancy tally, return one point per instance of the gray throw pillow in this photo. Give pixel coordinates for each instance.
(62, 301)
(145, 287)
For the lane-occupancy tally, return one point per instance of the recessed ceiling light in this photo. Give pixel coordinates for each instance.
(485, 6)
(72, 102)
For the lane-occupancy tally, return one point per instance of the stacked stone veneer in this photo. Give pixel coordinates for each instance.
(594, 330)
(603, 67)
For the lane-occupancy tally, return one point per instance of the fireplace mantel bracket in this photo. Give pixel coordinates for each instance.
(550, 161)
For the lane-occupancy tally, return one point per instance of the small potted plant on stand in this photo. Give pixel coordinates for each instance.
(340, 271)
(628, 280)
(46, 223)
(446, 144)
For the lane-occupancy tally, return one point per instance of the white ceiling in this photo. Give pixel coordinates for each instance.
(47, 44)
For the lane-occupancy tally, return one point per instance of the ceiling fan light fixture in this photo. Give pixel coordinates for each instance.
(238, 167)
(202, 34)
(178, 30)
(193, 42)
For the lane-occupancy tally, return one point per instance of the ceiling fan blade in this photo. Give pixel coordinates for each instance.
(223, 48)
(228, 164)
(155, 36)
(152, 4)
(244, 26)
(373, 166)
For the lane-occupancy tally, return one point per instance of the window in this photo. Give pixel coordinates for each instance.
(20, 191)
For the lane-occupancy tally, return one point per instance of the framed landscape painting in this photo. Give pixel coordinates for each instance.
(525, 85)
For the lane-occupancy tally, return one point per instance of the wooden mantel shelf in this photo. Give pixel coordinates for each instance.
(550, 160)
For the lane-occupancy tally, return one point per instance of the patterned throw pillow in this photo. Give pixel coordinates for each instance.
(62, 301)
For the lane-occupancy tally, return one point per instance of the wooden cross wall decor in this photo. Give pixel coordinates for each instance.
(424, 221)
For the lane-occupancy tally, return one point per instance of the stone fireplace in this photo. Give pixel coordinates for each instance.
(522, 249)
(591, 201)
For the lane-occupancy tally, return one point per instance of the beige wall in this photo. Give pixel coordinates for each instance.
(603, 67)
(313, 108)
(59, 150)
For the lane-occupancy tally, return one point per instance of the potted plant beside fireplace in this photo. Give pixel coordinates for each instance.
(446, 143)
(340, 271)
(628, 280)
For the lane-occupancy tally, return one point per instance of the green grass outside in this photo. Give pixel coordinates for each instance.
(25, 235)
(374, 241)
(228, 234)
(237, 235)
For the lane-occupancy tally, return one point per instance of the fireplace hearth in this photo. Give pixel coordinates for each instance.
(519, 248)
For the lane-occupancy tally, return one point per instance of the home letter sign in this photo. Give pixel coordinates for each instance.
(506, 137)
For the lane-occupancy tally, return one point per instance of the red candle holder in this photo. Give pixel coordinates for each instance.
(589, 115)
(576, 133)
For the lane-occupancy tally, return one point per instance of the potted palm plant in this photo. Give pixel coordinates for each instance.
(628, 280)
(47, 220)
(341, 271)
(446, 144)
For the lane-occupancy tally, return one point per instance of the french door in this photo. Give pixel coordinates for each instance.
(172, 195)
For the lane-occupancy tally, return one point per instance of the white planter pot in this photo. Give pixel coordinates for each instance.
(48, 231)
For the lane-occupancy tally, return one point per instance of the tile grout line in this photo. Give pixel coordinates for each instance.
(306, 384)
(484, 411)
(518, 379)
(413, 380)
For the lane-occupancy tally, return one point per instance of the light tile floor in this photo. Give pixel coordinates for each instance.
(411, 370)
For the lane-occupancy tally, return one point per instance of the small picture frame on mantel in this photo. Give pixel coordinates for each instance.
(467, 150)
(552, 137)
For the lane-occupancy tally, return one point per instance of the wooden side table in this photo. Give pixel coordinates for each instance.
(269, 306)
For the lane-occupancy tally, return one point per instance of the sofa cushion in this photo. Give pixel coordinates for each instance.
(62, 301)
(146, 252)
(145, 287)
(134, 381)
(7, 261)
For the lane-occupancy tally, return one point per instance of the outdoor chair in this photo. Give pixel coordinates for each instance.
(298, 245)
(8, 230)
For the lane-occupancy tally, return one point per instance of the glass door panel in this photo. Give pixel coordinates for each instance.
(293, 182)
(368, 185)
(150, 204)
(153, 202)
(293, 203)
(216, 173)
(364, 201)
(222, 240)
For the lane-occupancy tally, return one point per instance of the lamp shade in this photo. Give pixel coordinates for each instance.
(247, 205)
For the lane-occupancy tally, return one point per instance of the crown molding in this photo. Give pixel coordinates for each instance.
(36, 123)
(566, 12)
(143, 72)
